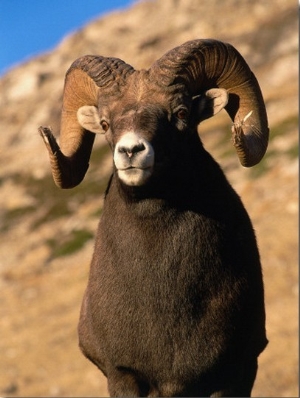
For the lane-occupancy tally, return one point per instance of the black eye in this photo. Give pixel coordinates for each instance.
(182, 114)
(104, 125)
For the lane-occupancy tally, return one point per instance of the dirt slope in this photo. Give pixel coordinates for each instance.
(46, 235)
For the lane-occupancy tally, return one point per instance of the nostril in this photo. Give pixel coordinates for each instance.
(138, 148)
(130, 151)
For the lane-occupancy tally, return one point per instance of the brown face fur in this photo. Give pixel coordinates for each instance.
(148, 108)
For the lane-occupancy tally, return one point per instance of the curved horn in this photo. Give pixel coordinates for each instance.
(87, 77)
(203, 64)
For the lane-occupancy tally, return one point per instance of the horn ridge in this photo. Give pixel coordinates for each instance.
(103, 70)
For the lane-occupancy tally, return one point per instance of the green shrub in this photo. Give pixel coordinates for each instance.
(69, 245)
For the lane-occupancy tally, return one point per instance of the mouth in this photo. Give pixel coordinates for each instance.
(135, 168)
(135, 176)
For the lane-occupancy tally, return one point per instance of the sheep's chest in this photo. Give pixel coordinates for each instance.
(160, 283)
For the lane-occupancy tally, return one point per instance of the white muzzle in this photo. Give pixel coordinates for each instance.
(134, 159)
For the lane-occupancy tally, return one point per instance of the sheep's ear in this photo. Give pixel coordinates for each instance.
(88, 118)
(209, 103)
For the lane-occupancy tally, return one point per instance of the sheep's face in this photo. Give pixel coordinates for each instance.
(143, 140)
(147, 127)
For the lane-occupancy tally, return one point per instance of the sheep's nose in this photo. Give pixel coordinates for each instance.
(134, 159)
(130, 151)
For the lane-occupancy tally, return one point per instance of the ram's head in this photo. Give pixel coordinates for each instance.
(140, 112)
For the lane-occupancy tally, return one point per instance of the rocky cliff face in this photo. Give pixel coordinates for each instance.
(47, 234)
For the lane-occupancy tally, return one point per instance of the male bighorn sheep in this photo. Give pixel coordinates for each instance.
(174, 304)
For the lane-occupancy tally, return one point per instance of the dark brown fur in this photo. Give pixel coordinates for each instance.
(174, 304)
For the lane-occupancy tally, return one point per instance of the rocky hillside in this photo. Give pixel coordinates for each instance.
(46, 235)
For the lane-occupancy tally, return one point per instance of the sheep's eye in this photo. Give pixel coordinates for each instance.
(182, 114)
(104, 125)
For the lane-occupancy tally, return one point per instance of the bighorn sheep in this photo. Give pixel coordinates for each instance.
(174, 304)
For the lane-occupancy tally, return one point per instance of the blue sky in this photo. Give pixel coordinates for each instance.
(31, 27)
